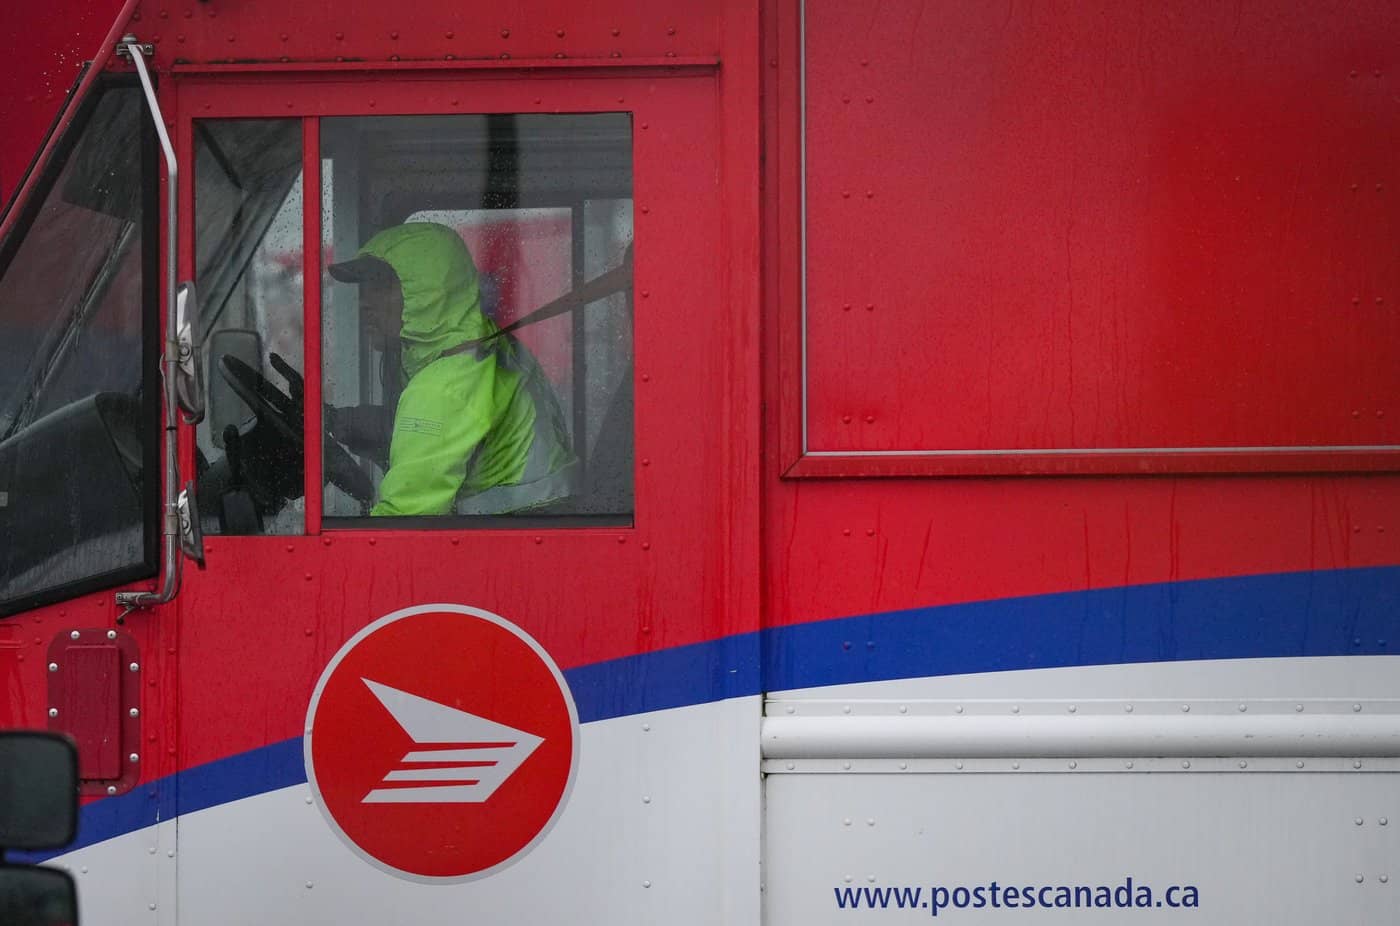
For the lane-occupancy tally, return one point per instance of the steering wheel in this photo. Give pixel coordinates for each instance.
(284, 416)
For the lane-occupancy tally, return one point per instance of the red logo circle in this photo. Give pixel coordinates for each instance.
(441, 743)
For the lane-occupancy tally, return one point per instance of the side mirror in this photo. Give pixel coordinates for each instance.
(225, 407)
(38, 790)
(189, 381)
(38, 810)
(33, 895)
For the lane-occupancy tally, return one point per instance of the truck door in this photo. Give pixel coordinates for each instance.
(337, 491)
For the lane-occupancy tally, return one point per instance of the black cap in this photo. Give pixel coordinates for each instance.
(363, 269)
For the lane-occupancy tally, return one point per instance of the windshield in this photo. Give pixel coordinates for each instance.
(77, 326)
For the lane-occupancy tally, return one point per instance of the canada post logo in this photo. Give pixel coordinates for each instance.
(441, 743)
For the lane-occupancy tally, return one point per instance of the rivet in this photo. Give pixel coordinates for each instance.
(1385, 879)
(309, 885)
(1073, 708)
(1128, 764)
(456, 541)
(646, 544)
(393, 35)
(870, 532)
(1356, 708)
(870, 822)
(133, 758)
(1358, 821)
(1015, 708)
(539, 540)
(646, 210)
(870, 99)
(1185, 763)
(869, 194)
(616, 32)
(846, 531)
(646, 728)
(1298, 708)
(538, 101)
(454, 102)
(1073, 764)
(559, 33)
(845, 194)
(505, 33)
(283, 36)
(870, 419)
(53, 712)
(646, 461)
(307, 577)
(671, 30)
(1299, 763)
(790, 709)
(309, 800)
(1383, 821)
(169, 853)
(111, 634)
(393, 57)
(1360, 878)
(231, 38)
(845, 644)
(74, 635)
(870, 878)
(958, 709)
(904, 709)
(1128, 708)
(958, 765)
(325, 541)
(1186, 708)
(151, 906)
(646, 798)
(164, 14)
(1353, 73)
(53, 666)
(1244, 764)
(622, 540)
(111, 789)
(846, 766)
(646, 294)
(847, 879)
(1355, 187)
(1015, 765)
(870, 307)
(791, 766)
(1243, 708)
(84, 869)
(451, 35)
(846, 419)
(310, 632)
(1356, 764)
(646, 125)
(372, 541)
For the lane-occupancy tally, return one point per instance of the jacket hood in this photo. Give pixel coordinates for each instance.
(441, 295)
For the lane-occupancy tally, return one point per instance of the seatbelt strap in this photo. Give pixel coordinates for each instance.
(600, 287)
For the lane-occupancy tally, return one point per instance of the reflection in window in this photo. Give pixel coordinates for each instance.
(248, 270)
(77, 420)
(447, 230)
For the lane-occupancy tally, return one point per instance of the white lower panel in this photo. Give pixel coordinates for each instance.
(128, 880)
(662, 827)
(1267, 848)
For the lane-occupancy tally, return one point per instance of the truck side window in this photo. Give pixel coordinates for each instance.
(445, 231)
(248, 269)
(78, 391)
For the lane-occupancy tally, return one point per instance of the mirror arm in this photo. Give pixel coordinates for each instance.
(170, 357)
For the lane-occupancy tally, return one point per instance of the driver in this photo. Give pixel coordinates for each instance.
(477, 428)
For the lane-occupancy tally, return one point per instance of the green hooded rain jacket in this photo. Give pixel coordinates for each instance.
(472, 434)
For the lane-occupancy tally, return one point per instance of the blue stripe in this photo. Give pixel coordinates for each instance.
(1347, 612)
